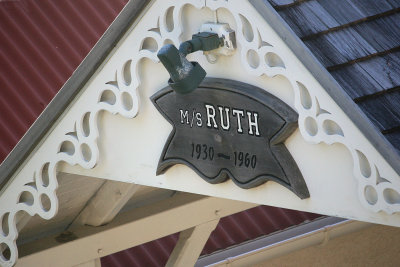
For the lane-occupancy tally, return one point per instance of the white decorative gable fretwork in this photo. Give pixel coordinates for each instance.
(95, 144)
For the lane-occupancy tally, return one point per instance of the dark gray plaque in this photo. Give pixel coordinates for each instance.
(226, 129)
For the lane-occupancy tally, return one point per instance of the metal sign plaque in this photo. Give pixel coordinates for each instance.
(226, 129)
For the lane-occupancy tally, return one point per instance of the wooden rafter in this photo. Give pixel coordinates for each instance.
(190, 244)
(106, 203)
(128, 229)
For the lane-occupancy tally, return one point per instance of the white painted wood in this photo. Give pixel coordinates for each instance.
(345, 174)
(340, 166)
(190, 244)
(91, 263)
(129, 229)
(73, 194)
(106, 203)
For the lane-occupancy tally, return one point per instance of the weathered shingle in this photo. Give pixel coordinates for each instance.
(394, 138)
(356, 81)
(371, 7)
(385, 70)
(383, 110)
(370, 76)
(308, 18)
(336, 8)
(381, 33)
(394, 3)
(339, 47)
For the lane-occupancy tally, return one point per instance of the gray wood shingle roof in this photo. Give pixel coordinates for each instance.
(358, 41)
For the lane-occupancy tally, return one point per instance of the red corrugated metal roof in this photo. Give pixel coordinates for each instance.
(42, 43)
(232, 230)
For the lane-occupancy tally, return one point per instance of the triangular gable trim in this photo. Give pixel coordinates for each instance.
(311, 122)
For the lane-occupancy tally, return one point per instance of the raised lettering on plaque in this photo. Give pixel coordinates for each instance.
(227, 129)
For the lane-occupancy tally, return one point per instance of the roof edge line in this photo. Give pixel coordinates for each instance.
(332, 87)
(270, 240)
(128, 15)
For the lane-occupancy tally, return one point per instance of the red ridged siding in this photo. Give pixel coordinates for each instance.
(42, 43)
(232, 230)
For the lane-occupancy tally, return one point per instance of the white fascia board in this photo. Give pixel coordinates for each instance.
(345, 174)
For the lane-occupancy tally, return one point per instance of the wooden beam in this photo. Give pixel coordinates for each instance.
(190, 244)
(128, 229)
(106, 203)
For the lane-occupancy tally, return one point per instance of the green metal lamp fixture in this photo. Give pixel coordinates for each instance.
(186, 76)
